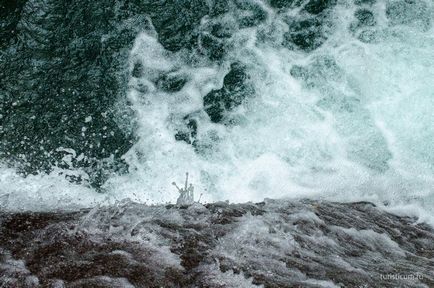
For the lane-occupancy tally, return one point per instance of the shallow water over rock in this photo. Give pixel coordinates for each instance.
(270, 244)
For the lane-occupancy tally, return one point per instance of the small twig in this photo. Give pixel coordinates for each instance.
(186, 194)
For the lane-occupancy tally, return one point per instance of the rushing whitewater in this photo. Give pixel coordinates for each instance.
(260, 99)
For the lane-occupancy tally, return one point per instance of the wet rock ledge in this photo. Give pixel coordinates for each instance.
(270, 244)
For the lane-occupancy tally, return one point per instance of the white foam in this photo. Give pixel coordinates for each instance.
(44, 192)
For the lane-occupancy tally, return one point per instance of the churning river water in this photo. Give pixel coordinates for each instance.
(255, 99)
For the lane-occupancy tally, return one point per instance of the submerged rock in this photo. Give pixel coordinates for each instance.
(318, 6)
(306, 34)
(236, 88)
(281, 3)
(273, 244)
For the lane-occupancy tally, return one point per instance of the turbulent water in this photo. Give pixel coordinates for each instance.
(273, 244)
(255, 99)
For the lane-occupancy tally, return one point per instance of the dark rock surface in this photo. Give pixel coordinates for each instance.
(235, 90)
(273, 244)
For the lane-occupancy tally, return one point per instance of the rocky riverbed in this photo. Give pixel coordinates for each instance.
(270, 244)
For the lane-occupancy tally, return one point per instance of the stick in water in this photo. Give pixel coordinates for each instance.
(186, 181)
